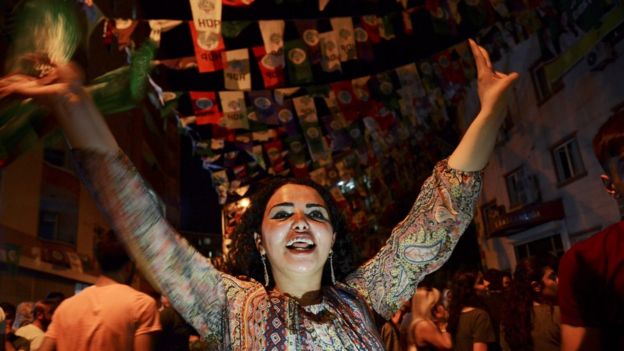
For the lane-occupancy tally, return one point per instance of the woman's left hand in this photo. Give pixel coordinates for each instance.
(493, 86)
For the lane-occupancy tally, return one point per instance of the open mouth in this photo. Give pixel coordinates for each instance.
(300, 244)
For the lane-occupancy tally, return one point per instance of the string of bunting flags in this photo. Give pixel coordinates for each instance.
(283, 97)
(354, 136)
(289, 59)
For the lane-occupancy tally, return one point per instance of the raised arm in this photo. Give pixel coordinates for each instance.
(188, 279)
(424, 240)
(475, 147)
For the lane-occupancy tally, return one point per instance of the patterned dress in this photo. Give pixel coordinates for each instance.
(237, 314)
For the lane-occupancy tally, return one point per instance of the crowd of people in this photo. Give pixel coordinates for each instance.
(478, 311)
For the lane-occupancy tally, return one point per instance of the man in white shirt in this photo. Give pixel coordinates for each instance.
(35, 331)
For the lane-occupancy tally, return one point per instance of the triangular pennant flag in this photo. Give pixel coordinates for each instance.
(346, 41)
(273, 36)
(386, 28)
(345, 97)
(221, 183)
(271, 66)
(234, 109)
(296, 147)
(123, 31)
(160, 26)
(363, 45)
(207, 16)
(306, 112)
(236, 69)
(208, 48)
(408, 25)
(264, 105)
(274, 150)
(299, 70)
(205, 107)
(330, 59)
(310, 35)
(287, 119)
(371, 25)
(337, 133)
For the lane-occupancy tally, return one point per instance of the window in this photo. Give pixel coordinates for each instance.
(544, 88)
(48, 224)
(551, 245)
(489, 212)
(522, 188)
(567, 159)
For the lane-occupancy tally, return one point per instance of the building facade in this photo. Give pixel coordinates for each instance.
(48, 219)
(542, 189)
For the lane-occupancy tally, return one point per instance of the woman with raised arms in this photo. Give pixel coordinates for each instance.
(286, 241)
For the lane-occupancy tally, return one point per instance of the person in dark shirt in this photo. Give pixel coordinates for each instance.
(495, 300)
(591, 273)
(530, 319)
(469, 323)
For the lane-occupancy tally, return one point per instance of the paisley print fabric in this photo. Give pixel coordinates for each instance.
(236, 314)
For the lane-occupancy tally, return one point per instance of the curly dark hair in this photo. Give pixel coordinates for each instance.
(244, 259)
(463, 294)
(518, 314)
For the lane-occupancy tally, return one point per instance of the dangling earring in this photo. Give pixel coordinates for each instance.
(266, 272)
(331, 266)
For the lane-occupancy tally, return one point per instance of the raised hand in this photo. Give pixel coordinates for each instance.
(58, 84)
(477, 144)
(493, 86)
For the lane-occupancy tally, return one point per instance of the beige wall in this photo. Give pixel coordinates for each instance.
(19, 192)
(19, 200)
(20, 189)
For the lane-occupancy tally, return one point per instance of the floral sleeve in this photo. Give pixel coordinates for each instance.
(422, 242)
(193, 285)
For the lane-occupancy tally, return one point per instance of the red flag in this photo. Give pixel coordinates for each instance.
(208, 48)
(346, 99)
(271, 68)
(205, 107)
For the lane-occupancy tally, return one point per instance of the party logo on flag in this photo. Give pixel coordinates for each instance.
(344, 97)
(262, 103)
(208, 40)
(204, 103)
(386, 88)
(276, 39)
(361, 36)
(311, 37)
(285, 116)
(313, 133)
(271, 61)
(297, 56)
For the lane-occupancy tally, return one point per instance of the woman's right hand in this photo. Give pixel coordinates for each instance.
(59, 84)
(61, 89)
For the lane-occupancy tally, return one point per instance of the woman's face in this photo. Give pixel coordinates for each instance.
(550, 283)
(297, 234)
